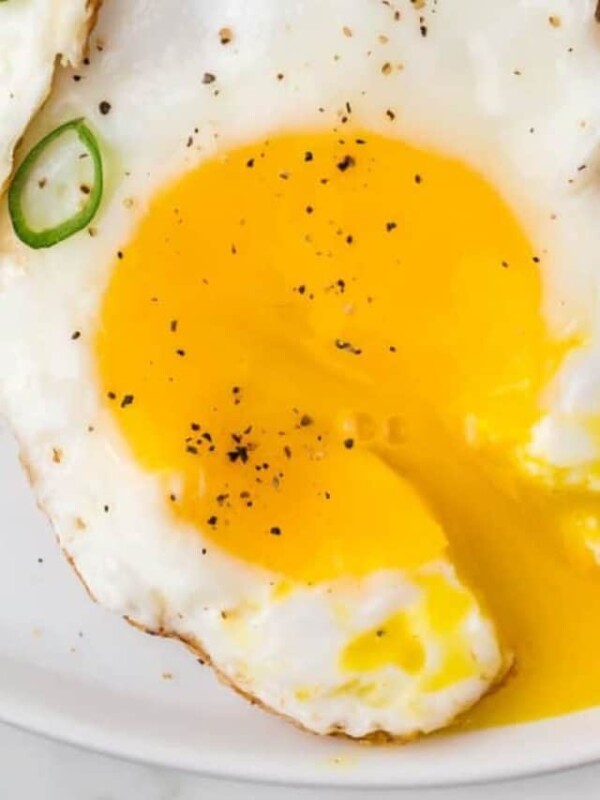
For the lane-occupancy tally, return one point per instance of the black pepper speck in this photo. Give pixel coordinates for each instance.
(346, 162)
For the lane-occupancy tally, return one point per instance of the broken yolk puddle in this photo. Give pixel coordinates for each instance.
(330, 349)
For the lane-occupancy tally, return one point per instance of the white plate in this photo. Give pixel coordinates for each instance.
(73, 671)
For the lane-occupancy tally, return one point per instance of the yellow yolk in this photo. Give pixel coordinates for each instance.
(329, 347)
(392, 643)
(402, 638)
(286, 323)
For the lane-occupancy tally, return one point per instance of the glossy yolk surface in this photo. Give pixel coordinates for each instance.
(330, 348)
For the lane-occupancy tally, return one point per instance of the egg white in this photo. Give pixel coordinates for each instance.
(517, 98)
(33, 36)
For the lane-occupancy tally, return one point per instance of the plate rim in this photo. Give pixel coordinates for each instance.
(580, 751)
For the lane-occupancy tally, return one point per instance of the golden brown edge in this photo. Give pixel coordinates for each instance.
(196, 649)
(93, 7)
(378, 737)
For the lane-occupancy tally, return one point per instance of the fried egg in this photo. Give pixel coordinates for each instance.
(292, 396)
(33, 36)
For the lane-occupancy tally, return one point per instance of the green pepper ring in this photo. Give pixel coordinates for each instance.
(51, 236)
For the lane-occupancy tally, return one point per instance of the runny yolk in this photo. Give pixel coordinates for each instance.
(330, 349)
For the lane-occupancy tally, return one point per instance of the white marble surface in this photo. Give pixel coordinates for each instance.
(32, 768)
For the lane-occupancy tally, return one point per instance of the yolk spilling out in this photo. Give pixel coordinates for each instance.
(330, 350)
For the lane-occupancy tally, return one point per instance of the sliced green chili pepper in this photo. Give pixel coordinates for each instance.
(51, 236)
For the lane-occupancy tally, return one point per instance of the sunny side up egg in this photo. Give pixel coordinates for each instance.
(314, 392)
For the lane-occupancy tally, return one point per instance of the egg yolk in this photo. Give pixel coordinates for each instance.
(295, 320)
(329, 348)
